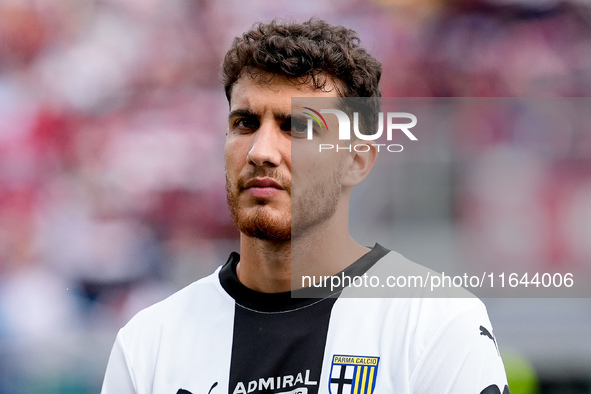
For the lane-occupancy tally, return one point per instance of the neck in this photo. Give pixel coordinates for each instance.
(272, 267)
(265, 266)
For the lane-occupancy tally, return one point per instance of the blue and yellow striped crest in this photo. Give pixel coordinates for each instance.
(353, 374)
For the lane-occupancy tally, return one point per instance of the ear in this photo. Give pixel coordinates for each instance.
(359, 163)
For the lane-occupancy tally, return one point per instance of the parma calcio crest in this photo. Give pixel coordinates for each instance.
(353, 374)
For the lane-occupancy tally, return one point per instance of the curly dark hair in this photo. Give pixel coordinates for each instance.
(313, 51)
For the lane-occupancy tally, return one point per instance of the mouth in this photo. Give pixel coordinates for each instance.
(262, 182)
(262, 187)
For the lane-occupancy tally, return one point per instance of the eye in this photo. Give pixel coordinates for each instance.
(298, 126)
(245, 124)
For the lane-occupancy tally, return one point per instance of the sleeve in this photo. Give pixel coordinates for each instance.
(119, 377)
(462, 357)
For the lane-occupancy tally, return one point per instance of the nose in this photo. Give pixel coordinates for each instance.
(266, 146)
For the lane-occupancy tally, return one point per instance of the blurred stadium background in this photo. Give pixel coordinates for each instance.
(112, 124)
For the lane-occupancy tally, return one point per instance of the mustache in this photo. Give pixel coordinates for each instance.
(277, 176)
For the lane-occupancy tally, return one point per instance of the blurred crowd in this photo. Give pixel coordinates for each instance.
(112, 122)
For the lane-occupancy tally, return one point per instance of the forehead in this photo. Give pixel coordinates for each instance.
(265, 90)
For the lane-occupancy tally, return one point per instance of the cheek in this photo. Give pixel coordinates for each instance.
(234, 155)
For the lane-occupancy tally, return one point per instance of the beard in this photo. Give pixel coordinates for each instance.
(311, 206)
(259, 220)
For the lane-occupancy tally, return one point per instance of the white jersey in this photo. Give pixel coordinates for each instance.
(217, 336)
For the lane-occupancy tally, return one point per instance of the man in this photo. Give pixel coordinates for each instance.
(240, 330)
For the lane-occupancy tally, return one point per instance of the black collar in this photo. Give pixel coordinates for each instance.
(286, 301)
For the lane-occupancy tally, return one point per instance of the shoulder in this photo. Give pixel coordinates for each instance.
(395, 276)
(435, 306)
(450, 337)
(406, 295)
(164, 331)
(196, 300)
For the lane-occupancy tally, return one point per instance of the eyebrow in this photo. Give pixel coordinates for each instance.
(248, 113)
(243, 112)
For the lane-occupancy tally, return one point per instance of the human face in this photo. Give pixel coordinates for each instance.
(259, 168)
